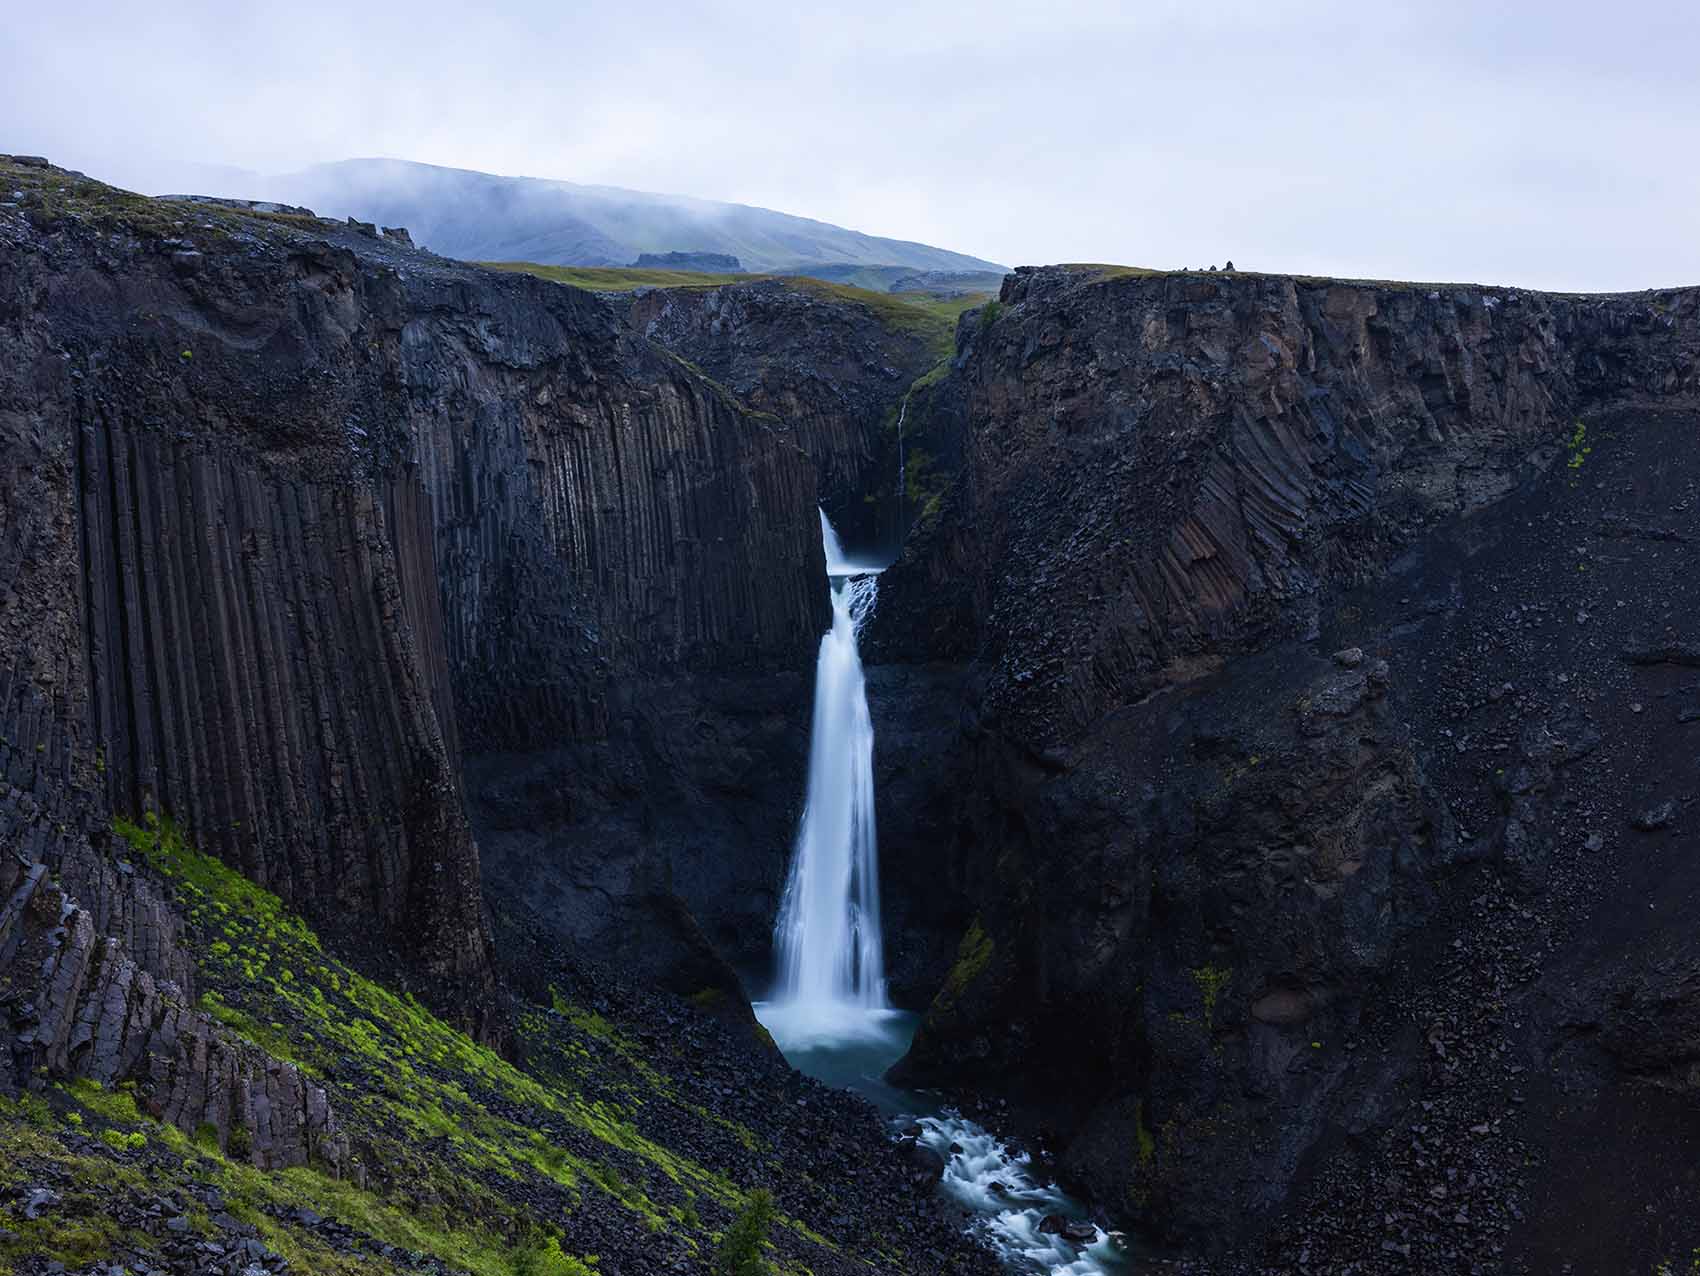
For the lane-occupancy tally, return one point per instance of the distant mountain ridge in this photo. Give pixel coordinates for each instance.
(483, 217)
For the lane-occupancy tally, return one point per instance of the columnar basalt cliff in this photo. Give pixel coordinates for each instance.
(297, 516)
(1208, 453)
(1218, 864)
(1285, 733)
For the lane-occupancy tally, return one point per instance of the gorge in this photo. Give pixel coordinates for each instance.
(1275, 701)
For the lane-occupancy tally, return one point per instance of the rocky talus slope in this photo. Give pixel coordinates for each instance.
(1321, 652)
(83, 1008)
(623, 1140)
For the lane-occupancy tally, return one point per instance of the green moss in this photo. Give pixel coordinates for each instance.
(447, 1121)
(135, 1141)
(111, 1105)
(28, 1108)
(973, 955)
(1578, 448)
(73, 1241)
(1211, 980)
(546, 1259)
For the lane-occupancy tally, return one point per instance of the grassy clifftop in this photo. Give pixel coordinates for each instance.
(931, 317)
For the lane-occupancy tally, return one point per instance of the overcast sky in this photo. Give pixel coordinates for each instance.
(1550, 145)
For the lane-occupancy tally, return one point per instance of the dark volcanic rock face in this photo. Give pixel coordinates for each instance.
(832, 370)
(295, 517)
(665, 839)
(1218, 870)
(1161, 471)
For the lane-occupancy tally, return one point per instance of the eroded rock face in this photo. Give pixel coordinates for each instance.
(1159, 472)
(81, 1003)
(1214, 865)
(830, 369)
(1205, 889)
(662, 843)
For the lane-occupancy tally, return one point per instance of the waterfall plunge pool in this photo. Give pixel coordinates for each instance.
(851, 1046)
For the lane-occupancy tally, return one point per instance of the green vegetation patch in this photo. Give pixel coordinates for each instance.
(617, 278)
(932, 319)
(1211, 981)
(1107, 270)
(742, 1249)
(135, 1160)
(52, 196)
(1578, 447)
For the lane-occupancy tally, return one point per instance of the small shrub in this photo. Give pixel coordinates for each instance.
(545, 1258)
(740, 1252)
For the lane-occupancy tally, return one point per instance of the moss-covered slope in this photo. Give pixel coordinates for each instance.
(610, 1149)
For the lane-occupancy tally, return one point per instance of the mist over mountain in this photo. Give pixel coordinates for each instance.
(484, 217)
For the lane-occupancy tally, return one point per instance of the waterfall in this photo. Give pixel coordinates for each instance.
(831, 964)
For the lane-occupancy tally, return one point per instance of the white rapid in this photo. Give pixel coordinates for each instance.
(831, 966)
(1009, 1206)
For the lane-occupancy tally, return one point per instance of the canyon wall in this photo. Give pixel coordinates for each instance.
(298, 518)
(1216, 869)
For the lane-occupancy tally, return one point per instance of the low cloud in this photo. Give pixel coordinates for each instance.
(1548, 145)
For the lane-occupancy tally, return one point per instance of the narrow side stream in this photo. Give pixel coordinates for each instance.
(828, 1011)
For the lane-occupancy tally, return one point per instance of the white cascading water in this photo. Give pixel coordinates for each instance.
(831, 965)
(1009, 1204)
